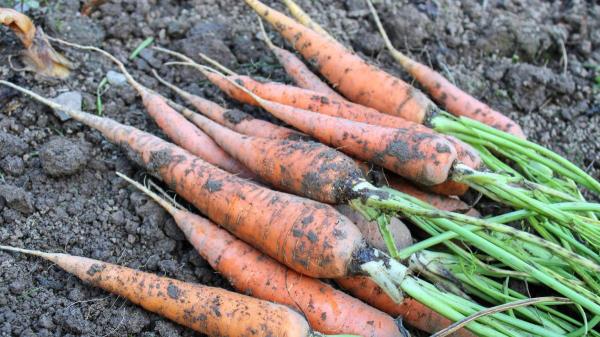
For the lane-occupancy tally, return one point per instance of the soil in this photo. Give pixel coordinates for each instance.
(535, 60)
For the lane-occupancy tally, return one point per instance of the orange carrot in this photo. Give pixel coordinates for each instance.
(307, 236)
(181, 131)
(327, 310)
(411, 311)
(212, 311)
(420, 156)
(297, 70)
(357, 80)
(309, 169)
(447, 94)
(234, 119)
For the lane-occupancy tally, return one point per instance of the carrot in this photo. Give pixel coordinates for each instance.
(411, 311)
(327, 310)
(447, 94)
(297, 70)
(420, 156)
(175, 126)
(234, 119)
(347, 72)
(212, 311)
(309, 169)
(309, 237)
(370, 229)
(293, 96)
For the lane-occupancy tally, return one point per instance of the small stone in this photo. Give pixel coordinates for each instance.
(16, 198)
(70, 99)
(62, 157)
(118, 218)
(116, 78)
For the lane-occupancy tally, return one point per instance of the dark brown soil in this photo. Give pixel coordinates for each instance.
(58, 188)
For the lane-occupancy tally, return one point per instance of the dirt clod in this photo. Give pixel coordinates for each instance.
(17, 198)
(61, 157)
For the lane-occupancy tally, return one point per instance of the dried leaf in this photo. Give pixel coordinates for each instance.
(19, 23)
(44, 60)
(90, 6)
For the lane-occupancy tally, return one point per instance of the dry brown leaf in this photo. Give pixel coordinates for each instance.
(90, 6)
(19, 23)
(38, 56)
(44, 60)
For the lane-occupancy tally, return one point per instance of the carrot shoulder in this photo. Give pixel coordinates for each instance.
(212, 311)
(347, 72)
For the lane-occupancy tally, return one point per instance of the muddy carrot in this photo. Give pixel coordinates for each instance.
(307, 236)
(412, 153)
(347, 72)
(212, 311)
(175, 126)
(452, 98)
(327, 310)
(412, 312)
(233, 119)
(297, 70)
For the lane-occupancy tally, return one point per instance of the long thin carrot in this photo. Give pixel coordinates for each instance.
(212, 311)
(309, 237)
(297, 70)
(173, 124)
(327, 310)
(412, 312)
(455, 100)
(420, 156)
(347, 72)
(234, 119)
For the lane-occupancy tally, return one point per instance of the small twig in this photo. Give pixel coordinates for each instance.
(565, 60)
(489, 311)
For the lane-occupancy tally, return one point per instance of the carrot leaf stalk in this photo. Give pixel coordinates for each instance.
(513, 147)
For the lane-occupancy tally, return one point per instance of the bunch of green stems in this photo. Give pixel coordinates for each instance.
(506, 252)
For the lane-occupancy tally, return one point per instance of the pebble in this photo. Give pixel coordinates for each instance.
(116, 78)
(70, 99)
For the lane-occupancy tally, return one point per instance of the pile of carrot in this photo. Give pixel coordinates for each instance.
(364, 145)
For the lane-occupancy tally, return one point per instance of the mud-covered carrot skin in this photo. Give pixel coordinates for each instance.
(308, 169)
(418, 156)
(212, 311)
(347, 72)
(186, 135)
(411, 311)
(458, 102)
(327, 310)
(307, 236)
(301, 75)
